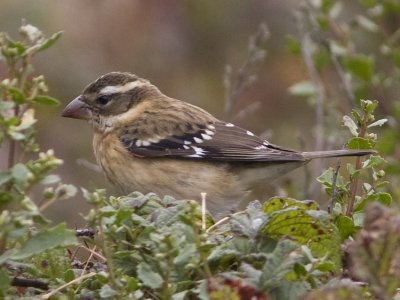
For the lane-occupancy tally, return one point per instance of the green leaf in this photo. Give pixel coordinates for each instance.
(186, 254)
(5, 198)
(359, 143)
(5, 177)
(326, 5)
(326, 178)
(293, 45)
(69, 275)
(4, 280)
(369, 105)
(277, 203)
(46, 100)
(384, 198)
(17, 45)
(50, 41)
(345, 226)
(107, 291)
(16, 95)
(373, 161)
(45, 240)
(360, 65)
(148, 276)
(12, 121)
(349, 123)
(306, 226)
(20, 173)
(359, 219)
(132, 284)
(50, 179)
(353, 172)
(322, 58)
(300, 270)
(303, 88)
(278, 264)
(323, 22)
(326, 266)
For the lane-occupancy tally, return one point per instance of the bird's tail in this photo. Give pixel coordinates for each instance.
(336, 153)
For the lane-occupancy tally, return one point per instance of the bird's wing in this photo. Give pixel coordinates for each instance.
(216, 141)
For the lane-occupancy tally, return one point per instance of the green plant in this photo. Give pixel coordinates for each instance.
(158, 247)
(25, 231)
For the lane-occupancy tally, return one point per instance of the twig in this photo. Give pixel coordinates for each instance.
(88, 165)
(223, 220)
(236, 84)
(354, 183)
(320, 94)
(249, 109)
(306, 46)
(353, 190)
(92, 252)
(76, 280)
(333, 197)
(346, 80)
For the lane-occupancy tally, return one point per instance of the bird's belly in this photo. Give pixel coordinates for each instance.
(181, 179)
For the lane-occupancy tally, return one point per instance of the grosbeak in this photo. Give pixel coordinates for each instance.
(146, 141)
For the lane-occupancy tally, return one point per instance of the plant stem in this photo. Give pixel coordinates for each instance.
(354, 183)
(107, 254)
(203, 257)
(12, 146)
(333, 198)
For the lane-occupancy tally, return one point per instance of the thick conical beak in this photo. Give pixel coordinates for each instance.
(76, 109)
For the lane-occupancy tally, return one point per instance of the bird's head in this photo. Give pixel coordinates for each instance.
(110, 96)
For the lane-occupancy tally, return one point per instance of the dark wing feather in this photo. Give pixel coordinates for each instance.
(213, 141)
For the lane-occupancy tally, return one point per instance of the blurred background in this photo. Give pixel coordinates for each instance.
(182, 47)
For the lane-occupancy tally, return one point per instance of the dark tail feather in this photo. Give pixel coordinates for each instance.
(336, 153)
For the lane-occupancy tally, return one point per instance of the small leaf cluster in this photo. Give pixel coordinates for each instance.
(21, 91)
(25, 230)
(347, 206)
(158, 248)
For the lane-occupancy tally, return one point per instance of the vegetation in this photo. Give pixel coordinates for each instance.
(146, 247)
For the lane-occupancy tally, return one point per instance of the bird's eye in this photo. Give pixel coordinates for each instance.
(103, 99)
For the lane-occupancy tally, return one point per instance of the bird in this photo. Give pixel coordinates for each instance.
(148, 142)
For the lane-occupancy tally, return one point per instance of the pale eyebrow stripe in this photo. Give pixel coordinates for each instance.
(113, 89)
